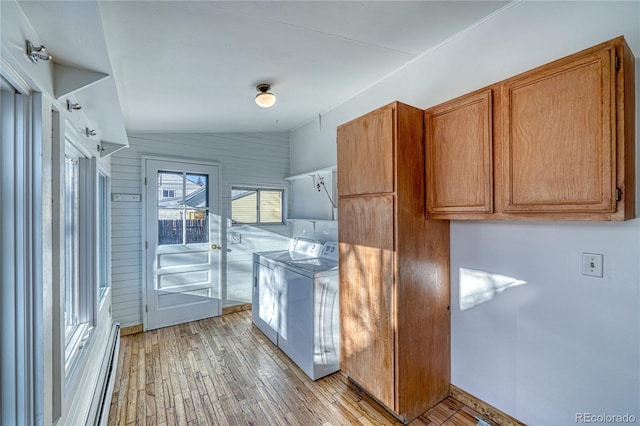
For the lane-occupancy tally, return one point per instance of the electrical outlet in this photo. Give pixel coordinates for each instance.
(592, 264)
(235, 238)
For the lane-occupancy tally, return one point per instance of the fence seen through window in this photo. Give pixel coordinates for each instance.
(183, 208)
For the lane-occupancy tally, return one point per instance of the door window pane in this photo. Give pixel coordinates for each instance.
(170, 189)
(197, 190)
(183, 208)
(170, 226)
(197, 226)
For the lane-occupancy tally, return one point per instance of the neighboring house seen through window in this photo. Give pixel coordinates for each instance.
(257, 205)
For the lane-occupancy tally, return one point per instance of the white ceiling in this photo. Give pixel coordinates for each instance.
(192, 66)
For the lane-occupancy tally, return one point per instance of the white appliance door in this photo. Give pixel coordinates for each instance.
(182, 242)
(265, 306)
(296, 314)
(326, 343)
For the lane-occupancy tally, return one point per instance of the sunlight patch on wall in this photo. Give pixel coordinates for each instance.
(478, 287)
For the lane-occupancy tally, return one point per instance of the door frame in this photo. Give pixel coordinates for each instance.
(143, 242)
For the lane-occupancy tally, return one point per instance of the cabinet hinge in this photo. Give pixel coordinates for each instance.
(146, 244)
(146, 308)
(618, 194)
(617, 63)
(145, 181)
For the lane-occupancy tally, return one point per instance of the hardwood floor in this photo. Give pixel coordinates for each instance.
(223, 371)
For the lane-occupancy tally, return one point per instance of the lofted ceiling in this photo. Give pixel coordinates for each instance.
(192, 66)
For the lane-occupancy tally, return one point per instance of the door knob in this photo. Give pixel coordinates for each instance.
(215, 247)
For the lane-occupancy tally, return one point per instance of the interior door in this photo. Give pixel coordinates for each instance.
(182, 240)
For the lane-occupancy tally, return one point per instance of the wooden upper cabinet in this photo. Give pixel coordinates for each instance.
(559, 137)
(459, 155)
(553, 143)
(367, 168)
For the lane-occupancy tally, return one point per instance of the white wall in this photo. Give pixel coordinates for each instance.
(562, 343)
(245, 158)
(310, 201)
(46, 383)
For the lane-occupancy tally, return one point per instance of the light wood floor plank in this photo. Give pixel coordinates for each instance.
(224, 371)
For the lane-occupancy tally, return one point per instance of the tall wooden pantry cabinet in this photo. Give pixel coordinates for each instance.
(394, 264)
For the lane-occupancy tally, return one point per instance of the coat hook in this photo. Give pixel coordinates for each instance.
(35, 53)
(89, 132)
(71, 106)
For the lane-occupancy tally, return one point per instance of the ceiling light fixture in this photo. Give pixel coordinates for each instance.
(265, 99)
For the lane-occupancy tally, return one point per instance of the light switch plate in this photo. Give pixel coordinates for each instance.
(235, 238)
(592, 264)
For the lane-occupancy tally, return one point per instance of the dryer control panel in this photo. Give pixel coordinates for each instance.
(330, 251)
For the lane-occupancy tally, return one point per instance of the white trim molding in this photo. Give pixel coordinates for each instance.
(21, 360)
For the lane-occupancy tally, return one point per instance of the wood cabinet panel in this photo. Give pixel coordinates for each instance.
(559, 145)
(366, 154)
(459, 155)
(626, 132)
(563, 140)
(423, 354)
(394, 271)
(366, 293)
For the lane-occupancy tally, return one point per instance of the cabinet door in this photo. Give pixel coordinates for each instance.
(366, 294)
(559, 137)
(459, 155)
(365, 153)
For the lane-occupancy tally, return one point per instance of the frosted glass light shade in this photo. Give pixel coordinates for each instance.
(265, 99)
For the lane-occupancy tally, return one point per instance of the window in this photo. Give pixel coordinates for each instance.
(72, 273)
(103, 245)
(73, 315)
(257, 205)
(81, 235)
(168, 193)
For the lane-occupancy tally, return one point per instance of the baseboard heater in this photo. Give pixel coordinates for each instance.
(99, 412)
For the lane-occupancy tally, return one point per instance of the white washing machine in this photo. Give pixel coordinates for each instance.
(302, 309)
(269, 279)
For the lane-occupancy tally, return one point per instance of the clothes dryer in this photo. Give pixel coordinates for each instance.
(302, 316)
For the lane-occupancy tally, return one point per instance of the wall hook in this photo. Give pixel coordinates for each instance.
(35, 53)
(71, 106)
(89, 132)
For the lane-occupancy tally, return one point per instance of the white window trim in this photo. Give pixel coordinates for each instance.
(21, 260)
(103, 297)
(74, 345)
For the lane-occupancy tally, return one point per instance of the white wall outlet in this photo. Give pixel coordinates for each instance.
(235, 238)
(592, 264)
